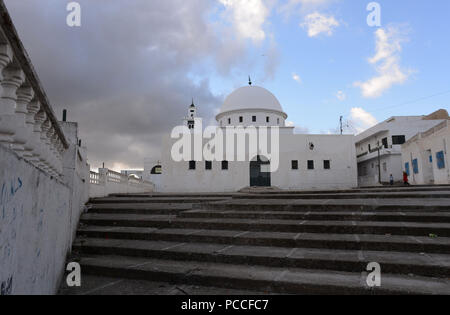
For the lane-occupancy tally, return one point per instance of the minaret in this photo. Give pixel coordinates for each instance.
(191, 118)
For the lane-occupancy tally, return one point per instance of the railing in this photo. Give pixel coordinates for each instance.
(108, 182)
(27, 122)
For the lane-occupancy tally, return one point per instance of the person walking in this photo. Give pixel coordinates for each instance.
(391, 180)
(405, 179)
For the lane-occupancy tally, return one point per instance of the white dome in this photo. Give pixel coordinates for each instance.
(251, 98)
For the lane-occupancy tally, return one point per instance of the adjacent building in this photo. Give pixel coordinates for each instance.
(379, 149)
(425, 156)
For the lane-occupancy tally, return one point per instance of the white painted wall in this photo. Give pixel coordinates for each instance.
(340, 150)
(38, 218)
(35, 222)
(420, 147)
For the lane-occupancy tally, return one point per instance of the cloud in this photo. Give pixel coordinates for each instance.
(248, 17)
(125, 74)
(297, 78)
(386, 63)
(360, 120)
(340, 95)
(317, 23)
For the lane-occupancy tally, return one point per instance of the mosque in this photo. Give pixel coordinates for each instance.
(286, 160)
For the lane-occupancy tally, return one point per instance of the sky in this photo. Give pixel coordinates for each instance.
(128, 73)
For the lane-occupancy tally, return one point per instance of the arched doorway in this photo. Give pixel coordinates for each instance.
(260, 172)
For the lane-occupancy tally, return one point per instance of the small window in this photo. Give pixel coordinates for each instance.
(407, 168)
(310, 165)
(208, 165)
(278, 121)
(241, 119)
(385, 143)
(254, 118)
(229, 121)
(192, 165)
(327, 164)
(397, 140)
(440, 160)
(267, 119)
(295, 165)
(224, 165)
(415, 165)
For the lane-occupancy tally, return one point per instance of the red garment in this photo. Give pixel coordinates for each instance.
(405, 177)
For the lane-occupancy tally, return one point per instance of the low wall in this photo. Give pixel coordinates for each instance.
(107, 182)
(35, 218)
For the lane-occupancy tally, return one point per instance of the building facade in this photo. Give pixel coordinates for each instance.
(425, 156)
(379, 149)
(302, 162)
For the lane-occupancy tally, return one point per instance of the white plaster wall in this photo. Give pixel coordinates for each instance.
(340, 150)
(275, 118)
(435, 142)
(35, 234)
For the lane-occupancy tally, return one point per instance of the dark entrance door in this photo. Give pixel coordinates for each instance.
(258, 178)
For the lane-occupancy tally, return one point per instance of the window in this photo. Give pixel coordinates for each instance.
(310, 165)
(385, 143)
(241, 119)
(267, 119)
(192, 165)
(295, 165)
(229, 121)
(370, 148)
(327, 164)
(224, 165)
(208, 165)
(397, 140)
(278, 121)
(254, 118)
(415, 165)
(440, 160)
(407, 168)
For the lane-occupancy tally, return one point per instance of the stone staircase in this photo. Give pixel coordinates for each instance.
(269, 243)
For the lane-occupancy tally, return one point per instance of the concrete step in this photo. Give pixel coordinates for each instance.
(439, 245)
(149, 200)
(322, 216)
(334, 227)
(257, 278)
(431, 265)
(152, 208)
(97, 285)
(350, 195)
(264, 204)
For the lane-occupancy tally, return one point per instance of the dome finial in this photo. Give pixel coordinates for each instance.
(249, 81)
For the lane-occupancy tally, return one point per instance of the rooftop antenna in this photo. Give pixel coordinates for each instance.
(249, 81)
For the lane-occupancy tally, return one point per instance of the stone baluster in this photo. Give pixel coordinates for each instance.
(44, 153)
(11, 78)
(51, 154)
(54, 148)
(31, 152)
(24, 96)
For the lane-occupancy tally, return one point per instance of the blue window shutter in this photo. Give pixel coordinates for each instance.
(415, 164)
(440, 160)
(407, 168)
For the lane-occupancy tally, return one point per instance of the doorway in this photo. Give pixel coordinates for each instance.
(260, 172)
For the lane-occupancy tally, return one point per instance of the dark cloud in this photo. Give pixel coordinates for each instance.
(124, 74)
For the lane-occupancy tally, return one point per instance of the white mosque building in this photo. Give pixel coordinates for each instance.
(290, 161)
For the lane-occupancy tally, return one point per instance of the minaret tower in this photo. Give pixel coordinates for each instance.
(191, 120)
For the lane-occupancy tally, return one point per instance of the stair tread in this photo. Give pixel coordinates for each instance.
(363, 256)
(343, 282)
(174, 218)
(274, 235)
